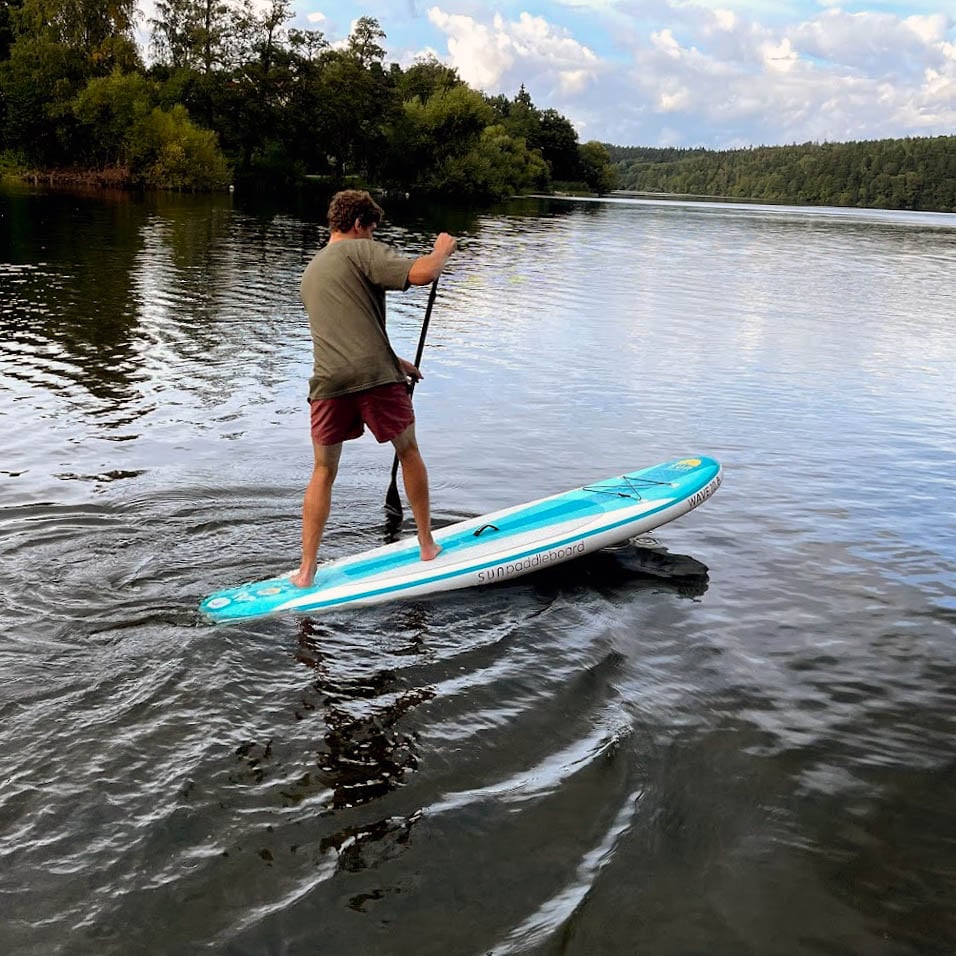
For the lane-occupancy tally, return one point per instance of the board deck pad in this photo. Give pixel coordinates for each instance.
(487, 549)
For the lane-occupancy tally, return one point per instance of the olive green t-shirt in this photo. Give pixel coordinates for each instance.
(343, 289)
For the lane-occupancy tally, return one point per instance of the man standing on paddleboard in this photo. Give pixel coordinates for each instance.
(357, 378)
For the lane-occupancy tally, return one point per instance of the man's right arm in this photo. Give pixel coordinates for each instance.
(428, 268)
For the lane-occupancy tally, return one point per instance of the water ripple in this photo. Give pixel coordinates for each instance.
(732, 735)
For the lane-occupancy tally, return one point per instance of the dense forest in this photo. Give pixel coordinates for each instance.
(229, 93)
(917, 173)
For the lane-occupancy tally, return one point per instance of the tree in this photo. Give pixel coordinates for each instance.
(596, 166)
(307, 45)
(523, 119)
(99, 33)
(108, 108)
(304, 108)
(501, 106)
(913, 173)
(497, 165)
(339, 103)
(430, 132)
(213, 32)
(168, 150)
(255, 99)
(450, 143)
(257, 37)
(363, 42)
(558, 142)
(193, 41)
(57, 48)
(8, 12)
(74, 91)
(426, 76)
(37, 83)
(175, 33)
(339, 111)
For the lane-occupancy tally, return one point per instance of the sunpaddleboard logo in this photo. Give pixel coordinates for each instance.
(512, 569)
(687, 463)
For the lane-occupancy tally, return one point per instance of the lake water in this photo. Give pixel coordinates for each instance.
(732, 736)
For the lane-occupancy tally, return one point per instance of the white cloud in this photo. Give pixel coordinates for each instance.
(930, 29)
(479, 53)
(725, 19)
(716, 78)
(665, 42)
(573, 81)
(779, 57)
(872, 43)
(674, 102)
(501, 55)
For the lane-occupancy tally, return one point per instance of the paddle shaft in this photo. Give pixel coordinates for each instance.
(393, 504)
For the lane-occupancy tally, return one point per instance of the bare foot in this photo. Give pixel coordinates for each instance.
(430, 551)
(303, 578)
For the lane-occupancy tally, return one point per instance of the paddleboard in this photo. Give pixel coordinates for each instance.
(487, 550)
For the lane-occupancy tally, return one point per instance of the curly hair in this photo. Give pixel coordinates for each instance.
(352, 204)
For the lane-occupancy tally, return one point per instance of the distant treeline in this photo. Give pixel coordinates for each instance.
(912, 173)
(232, 93)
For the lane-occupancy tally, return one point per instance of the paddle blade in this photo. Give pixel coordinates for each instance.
(393, 503)
(393, 516)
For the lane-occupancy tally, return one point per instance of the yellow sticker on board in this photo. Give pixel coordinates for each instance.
(688, 463)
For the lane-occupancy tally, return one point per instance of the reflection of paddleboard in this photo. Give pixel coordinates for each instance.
(492, 548)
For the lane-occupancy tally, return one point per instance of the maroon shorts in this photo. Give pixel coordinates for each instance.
(386, 409)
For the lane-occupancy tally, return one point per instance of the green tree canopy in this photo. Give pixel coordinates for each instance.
(426, 76)
(99, 34)
(911, 173)
(497, 165)
(596, 167)
(363, 41)
(229, 78)
(558, 141)
(53, 48)
(108, 108)
(8, 13)
(168, 150)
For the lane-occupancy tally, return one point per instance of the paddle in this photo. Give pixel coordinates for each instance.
(393, 504)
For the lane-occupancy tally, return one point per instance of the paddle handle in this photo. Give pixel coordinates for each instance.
(428, 317)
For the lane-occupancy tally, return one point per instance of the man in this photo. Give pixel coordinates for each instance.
(357, 378)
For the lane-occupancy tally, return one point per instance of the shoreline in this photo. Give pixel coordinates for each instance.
(107, 177)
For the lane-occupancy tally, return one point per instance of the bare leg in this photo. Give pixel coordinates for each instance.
(415, 478)
(315, 510)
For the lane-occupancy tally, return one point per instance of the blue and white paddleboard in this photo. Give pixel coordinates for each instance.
(489, 549)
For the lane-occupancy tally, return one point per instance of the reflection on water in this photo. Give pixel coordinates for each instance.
(732, 736)
(363, 754)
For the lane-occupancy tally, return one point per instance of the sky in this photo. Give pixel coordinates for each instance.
(715, 73)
